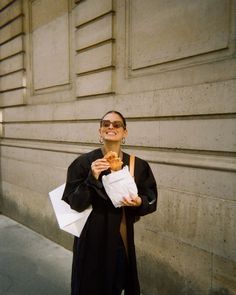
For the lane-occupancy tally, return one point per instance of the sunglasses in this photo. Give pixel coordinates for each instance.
(115, 124)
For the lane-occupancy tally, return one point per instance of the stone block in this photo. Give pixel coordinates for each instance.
(36, 177)
(90, 9)
(94, 58)
(12, 81)
(11, 30)
(11, 64)
(50, 45)
(80, 109)
(201, 182)
(101, 81)
(224, 276)
(166, 134)
(201, 99)
(72, 132)
(45, 11)
(166, 265)
(189, 100)
(38, 156)
(95, 32)
(218, 134)
(12, 98)
(4, 3)
(11, 47)
(196, 220)
(11, 12)
(224, 239)
(157, 35)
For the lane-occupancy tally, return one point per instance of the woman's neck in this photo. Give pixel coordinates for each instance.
(114, 147)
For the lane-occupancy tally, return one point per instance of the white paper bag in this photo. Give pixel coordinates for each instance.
(68, 219)
(118, 185)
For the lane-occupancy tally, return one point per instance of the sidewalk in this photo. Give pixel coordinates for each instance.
(31, 264)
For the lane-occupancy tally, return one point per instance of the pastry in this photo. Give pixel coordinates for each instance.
(114, 161)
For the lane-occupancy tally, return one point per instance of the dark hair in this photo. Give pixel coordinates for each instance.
(119, 114)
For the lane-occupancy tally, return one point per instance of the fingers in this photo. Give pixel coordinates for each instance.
(132, 201)
(98, 166)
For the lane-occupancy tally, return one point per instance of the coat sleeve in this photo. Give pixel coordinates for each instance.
(147, 189)
(81, 186)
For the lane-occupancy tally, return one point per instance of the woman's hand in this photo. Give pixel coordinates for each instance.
(134, 201)
(99, 166)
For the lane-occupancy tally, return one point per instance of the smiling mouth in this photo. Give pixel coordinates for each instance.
(110, 133)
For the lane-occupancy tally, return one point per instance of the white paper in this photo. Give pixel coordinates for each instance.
(68, 219)
(118, 185)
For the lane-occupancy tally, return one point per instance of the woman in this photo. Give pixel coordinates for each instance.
(102, 265)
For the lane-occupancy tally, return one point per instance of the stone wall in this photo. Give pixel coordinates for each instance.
(169, 67)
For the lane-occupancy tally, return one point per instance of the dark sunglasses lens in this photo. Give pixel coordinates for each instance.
(117, 124)
(106, 123)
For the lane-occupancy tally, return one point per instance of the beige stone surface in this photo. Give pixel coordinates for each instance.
(40, 215)
(50, 45)
(94, 58)
(224, 274)
(11, 30)
(12, 98)
(90, 9)
(101, 81)
(168, 264)
(45, 11)
(193, 219)
(173, 79)
(201, 99)
(39, 156)
(4, 3)
(224, 238)
(184, 32)
(11, 12)
(200, 182)
(203, 164)
(95, 32)
(203, 68)
(12, 64)
(11, 47)
(12, 81)
(220, 134)
(36, 177)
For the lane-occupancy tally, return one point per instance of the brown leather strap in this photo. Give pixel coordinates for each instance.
(131, 165)
(123, 228)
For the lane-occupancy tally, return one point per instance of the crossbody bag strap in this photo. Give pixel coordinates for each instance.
(131, 165)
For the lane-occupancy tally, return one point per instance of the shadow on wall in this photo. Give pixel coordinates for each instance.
(221, 291)
(168, 281)
(1, 134)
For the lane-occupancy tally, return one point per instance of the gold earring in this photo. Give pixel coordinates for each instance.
(101, 140)
(123, 140)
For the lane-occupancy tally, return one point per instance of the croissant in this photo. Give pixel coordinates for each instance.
(114, 161)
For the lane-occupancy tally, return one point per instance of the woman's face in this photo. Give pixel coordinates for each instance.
(113, 132)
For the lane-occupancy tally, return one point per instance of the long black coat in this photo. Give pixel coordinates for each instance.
(94, 252)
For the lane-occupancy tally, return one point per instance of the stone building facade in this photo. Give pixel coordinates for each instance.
(169, 67)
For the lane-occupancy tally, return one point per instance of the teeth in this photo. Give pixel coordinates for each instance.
(111, 133)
